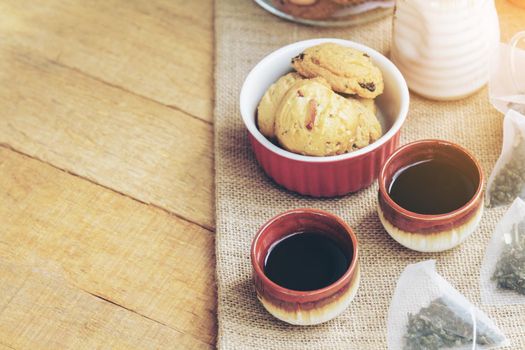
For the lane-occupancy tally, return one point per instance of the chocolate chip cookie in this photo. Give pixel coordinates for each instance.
(270, 101)
(348, 70)
(313, 120)
(369, 104)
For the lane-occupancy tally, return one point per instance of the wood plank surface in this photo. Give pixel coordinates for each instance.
(64, 317)
(158, 49)
(105, 246)
(122, 141)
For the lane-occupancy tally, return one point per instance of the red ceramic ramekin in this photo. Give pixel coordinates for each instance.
(333, 175)
(430, 233)
(305, 307)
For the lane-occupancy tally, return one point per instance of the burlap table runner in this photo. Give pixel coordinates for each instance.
(246, 198)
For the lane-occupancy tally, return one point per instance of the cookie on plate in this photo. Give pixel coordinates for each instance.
(313, 120)
(348, 70)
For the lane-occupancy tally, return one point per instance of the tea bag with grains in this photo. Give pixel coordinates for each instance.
(507, 180)
(427, 313)
(503, 271)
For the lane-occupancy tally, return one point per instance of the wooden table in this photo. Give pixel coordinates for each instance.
(106, 173)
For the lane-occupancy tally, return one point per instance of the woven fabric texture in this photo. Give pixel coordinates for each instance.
(246, 198)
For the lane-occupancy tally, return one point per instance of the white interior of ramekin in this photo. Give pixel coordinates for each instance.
(393, 103)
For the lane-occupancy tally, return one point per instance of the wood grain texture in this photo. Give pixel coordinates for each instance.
(5, 347)
(158, 49)
(62, 317)
(102, 246)
(128, 143)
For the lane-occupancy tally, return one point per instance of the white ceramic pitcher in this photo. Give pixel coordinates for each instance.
(443, 47)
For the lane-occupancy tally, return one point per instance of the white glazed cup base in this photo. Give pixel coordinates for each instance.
(432, 242)
(316, 315)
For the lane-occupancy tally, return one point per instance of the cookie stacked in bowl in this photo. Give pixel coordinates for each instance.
(326, 107)
(351, 94)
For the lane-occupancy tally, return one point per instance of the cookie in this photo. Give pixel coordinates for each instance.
(348, 70)
(319, 9)
(313, 120)
(369, 104)
(270, 101)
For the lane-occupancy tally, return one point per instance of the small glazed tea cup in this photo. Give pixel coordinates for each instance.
(430, 232)
(305, 307)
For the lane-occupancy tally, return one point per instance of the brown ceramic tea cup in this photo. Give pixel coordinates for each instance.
(430, 232)
(312, 306)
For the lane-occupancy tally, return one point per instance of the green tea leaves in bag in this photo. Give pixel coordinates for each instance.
(503, 271)
(427, 313)
(507, 180)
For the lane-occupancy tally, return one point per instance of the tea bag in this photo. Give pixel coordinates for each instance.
(503, 270)
(507, 76)
(427, 313)
(507, 180)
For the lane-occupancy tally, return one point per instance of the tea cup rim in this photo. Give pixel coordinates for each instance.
(335, 286)
(382, 180)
